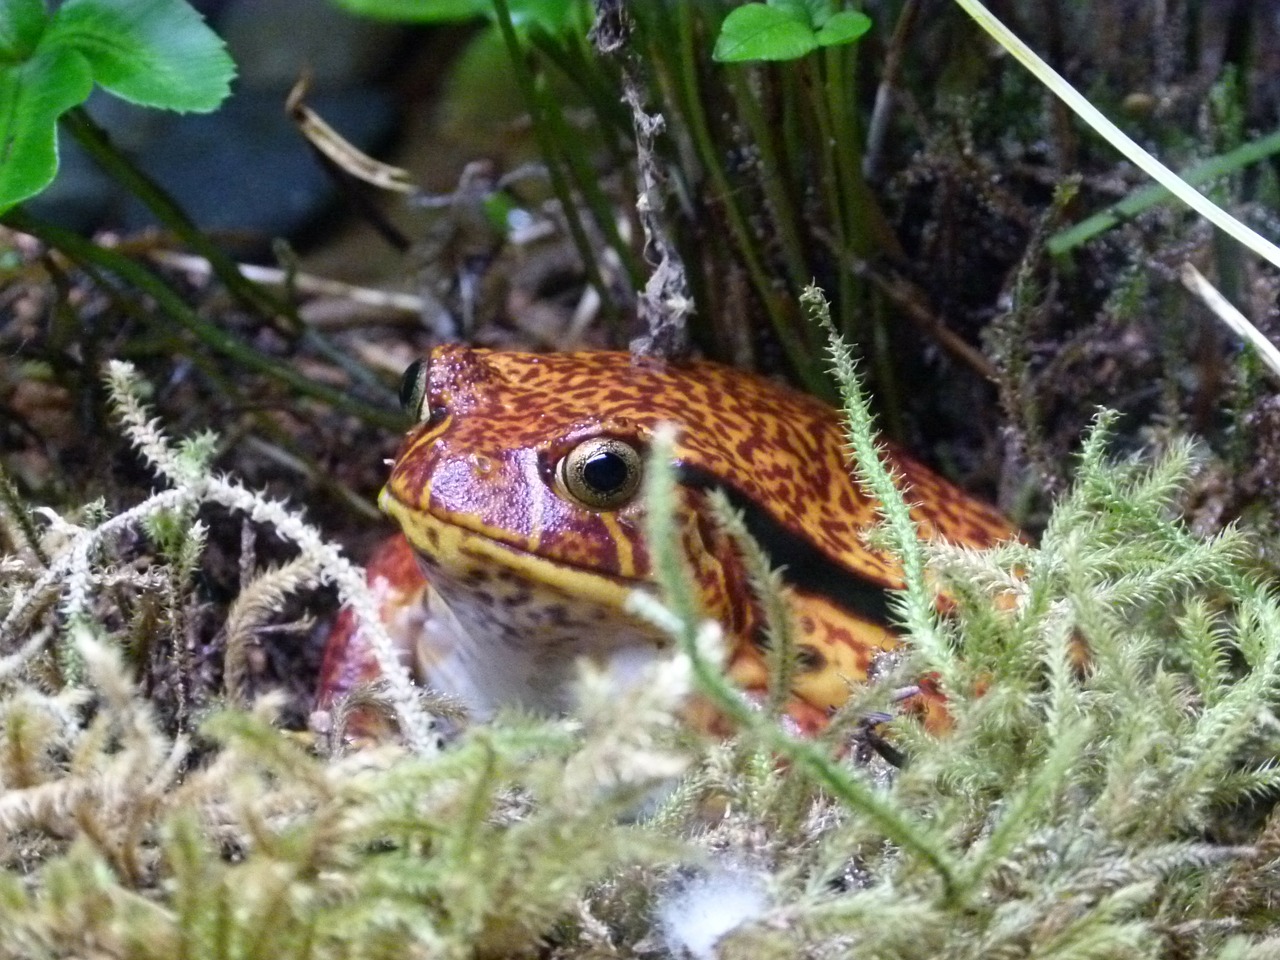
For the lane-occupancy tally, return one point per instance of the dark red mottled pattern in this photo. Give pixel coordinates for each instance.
(396, 581)
(481, 468)
(509, 417)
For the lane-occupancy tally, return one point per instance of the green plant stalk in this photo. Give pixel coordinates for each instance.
(1117, 137)
(89, 255)
(917, 608)
(572, 146)
(794, 144)
(829, 158)
(1229, 123)
(780, 656)
(797, 352)
(886, 379)
(585, 74)
(845, 139)
(773, 180)
(657, 42)
(856, 206)
(94, 140)
(547, 147)
(1149, 196)
(851, 192)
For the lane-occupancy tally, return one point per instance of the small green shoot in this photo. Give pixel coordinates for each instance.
(156, 53)
(1141, 200)
(549, 15)
(1117, 137)
(785, 30)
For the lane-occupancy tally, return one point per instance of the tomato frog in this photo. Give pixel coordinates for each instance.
(517, 497)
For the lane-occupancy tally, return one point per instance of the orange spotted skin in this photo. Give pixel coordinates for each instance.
(533, 579)
(536, 579)
(509, 417)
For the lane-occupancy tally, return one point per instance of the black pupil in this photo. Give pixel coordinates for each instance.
(409, 388)
(605, 472)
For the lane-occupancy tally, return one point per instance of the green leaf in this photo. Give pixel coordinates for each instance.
(33, 94)
(157, 53)
(418, 11)
(21, 24)
(812, 13)
(843, 27)
(551, 15)
(758, 32)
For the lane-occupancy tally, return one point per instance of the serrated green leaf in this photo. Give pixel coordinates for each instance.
(21, 24)
(33, 94)
(157, 53)
(758, 32)
(844, 27)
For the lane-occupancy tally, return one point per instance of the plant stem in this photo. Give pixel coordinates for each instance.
(855, 209)
(1149, 196)
(89, 255)
(94, 140)
(802, 358)
(555, 169)
(574, 156)
(772, 178)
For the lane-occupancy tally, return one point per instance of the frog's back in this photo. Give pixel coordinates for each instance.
(777, 451)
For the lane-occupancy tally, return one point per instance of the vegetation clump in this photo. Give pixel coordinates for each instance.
(1105, 790)
(1108, 785)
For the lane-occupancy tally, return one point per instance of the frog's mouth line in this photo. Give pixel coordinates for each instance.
(457, 546)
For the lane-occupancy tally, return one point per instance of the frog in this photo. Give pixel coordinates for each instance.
(518, 497)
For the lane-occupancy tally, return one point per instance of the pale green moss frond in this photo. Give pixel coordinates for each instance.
(1105, 790)
(915, 603)
(766, 583)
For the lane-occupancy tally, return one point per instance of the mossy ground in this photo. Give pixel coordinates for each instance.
(1109, 793)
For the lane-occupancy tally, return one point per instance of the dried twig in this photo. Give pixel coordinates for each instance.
(665, 304)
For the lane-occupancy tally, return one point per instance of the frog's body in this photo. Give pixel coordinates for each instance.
(534, 576)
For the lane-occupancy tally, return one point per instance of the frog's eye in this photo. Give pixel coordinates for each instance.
(602, 473)
(413, 390)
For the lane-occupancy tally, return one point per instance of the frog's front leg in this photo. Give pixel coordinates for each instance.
(405, 609)
(481, 669)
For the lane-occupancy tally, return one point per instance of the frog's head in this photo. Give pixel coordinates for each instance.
(519, 490)
(516, 460)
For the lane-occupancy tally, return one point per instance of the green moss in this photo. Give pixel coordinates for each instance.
(1105, 791)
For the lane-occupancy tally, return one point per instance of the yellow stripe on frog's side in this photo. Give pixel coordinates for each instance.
(837, 649)
(844, 643)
